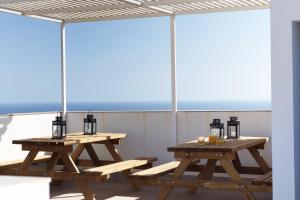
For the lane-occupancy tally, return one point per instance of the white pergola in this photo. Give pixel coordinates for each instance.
(75, 11)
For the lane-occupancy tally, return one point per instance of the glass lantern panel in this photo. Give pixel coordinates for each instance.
(232, 131)
(215, 131)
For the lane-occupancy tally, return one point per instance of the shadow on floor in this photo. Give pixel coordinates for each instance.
(121, 191)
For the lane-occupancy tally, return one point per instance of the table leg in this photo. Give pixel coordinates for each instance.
(166, 190)
(92, 153)
(237, 162)
(206, 174)
(259, 159)
(116, 156)
(235, 176)
(82, 185)
(28, 160)
(75, 155)
(53, 161)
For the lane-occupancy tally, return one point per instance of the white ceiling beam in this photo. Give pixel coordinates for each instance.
(133, 16)
(10, 11)
(229, 9)
(127, 4)
(152, 7)
(79, 9)
(17, 1)
(51, 19)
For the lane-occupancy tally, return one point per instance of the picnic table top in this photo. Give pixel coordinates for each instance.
(71, 139)
(230, 145)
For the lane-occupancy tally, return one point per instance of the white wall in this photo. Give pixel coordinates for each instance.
(149, 133)
(20, 126)
(284, 101)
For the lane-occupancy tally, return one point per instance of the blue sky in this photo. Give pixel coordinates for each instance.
(220, 56)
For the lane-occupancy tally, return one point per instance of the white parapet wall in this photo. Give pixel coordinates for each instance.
(149, 133)
(18, 126)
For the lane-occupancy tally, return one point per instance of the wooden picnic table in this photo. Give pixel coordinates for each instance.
(227, 155)
(66, 152)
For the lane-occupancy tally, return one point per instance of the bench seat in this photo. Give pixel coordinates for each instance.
(15, 163)
(119, 166)
(264, 179)
(156, 171)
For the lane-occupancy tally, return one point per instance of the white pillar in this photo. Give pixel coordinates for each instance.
(173, 78)
(63, 70)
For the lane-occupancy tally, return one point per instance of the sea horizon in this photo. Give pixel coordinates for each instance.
(11, 108)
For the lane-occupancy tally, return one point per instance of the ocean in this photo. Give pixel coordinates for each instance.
(9, 108)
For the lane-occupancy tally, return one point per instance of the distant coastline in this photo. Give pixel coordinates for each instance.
(9, 108)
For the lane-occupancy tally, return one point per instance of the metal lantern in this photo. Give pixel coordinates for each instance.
(58, 128)
(90, 124)
(233, 128)
(217, 128)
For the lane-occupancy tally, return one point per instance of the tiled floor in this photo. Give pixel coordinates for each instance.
(117, 191)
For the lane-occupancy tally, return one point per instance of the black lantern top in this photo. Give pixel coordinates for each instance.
(233, 128)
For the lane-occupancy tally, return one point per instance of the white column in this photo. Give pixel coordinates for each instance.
(63, 70)
(173, 78)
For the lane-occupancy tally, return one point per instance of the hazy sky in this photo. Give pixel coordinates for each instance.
(220, 57)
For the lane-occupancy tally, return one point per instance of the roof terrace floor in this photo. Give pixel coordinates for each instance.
(122, 191)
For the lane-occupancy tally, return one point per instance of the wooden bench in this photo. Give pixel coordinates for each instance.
(15, 163)
(157, 171)
(264, 179)
(119, 166)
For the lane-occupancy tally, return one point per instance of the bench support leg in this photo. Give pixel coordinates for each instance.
(165, 191)
(83, 186)
(75, 155)
(259, 159)
(235, 176)
(206, 174)
(28, 160)
(116, 156)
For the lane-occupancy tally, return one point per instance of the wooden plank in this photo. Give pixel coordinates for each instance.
(75, 155)
(92, 153)
(205, 155)
(116, 156)
(71, 139)
(88, 195)
(47, 148)
(237, 162)
(28, 160)
(165, 191)
(156, 171)
(220, 169)
(90, 163)
(52, 162)
(206, 174)
(113, 151)
(259, 159)
(116, 167)
(228, 146)
(234, 175)
(15, 163)
(69, 163)
(263, 179)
